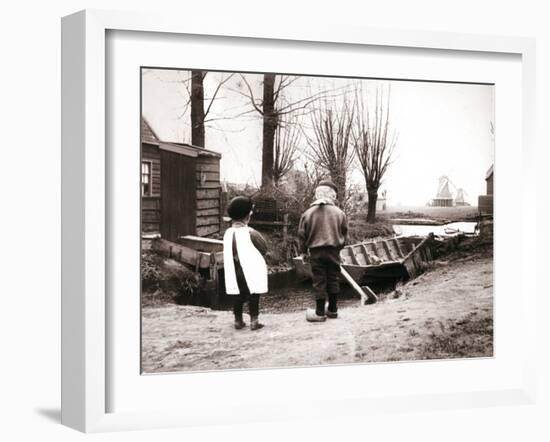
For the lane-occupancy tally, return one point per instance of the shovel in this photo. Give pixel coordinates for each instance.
(367, 295)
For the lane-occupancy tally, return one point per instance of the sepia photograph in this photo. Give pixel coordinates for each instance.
(293, 220)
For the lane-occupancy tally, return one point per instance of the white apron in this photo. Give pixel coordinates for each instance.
(251, 260)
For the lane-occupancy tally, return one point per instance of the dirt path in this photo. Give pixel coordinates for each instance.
(446, 312)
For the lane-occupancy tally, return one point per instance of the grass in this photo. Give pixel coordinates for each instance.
(360, 229)
(458, 213)
(468, 337)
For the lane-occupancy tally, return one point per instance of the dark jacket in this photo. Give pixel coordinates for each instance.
(322, 225)
(257, 239)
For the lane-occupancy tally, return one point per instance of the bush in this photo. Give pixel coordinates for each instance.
(165, 280)
(150, 271)
(234, 190)
(360, 230)
(189, 290)
(294, 195)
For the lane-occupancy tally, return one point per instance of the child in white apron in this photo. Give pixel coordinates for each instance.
(245, 269)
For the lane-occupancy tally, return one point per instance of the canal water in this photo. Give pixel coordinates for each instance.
(469, 228)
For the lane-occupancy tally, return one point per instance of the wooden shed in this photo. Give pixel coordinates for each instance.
(485, 202)
(180, 188)
(489, 180)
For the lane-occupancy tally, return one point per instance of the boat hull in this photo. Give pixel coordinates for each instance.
(379, 261)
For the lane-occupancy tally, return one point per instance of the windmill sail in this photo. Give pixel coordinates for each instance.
(444, 192)
(460, 196)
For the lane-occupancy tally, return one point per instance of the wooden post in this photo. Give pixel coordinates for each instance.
(223, 206)
(215, 296)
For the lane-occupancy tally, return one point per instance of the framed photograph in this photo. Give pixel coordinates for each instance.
(259, 222)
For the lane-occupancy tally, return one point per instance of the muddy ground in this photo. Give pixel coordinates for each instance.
(445, 313)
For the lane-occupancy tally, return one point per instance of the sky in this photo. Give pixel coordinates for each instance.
(442, 128)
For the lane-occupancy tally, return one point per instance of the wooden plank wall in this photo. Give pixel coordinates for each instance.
(490, 185)
(150, 214)
(208, 196)
(485, 204)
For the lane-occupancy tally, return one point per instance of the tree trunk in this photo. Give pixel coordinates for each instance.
(269, 127)
(197, 109)
(339, 179)
(373, 196)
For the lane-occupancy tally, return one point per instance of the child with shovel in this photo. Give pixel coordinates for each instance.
(322, 230)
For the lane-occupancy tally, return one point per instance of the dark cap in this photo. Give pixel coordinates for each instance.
(330, 184)
(239, 207)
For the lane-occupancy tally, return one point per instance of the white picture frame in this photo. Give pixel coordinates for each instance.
(85, 199)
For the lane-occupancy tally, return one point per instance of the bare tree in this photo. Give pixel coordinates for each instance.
(274, 108)
(331, 143)
(197, 108)
(270, 123)
(199, 115)
(287, 140)
(374, 143)
(195, 99)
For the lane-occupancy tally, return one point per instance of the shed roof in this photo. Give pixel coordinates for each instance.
(489, 173)
(149, 136)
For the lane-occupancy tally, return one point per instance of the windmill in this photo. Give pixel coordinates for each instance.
(444, 196)
(460, 199)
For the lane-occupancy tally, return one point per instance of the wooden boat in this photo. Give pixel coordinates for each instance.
(399, 258)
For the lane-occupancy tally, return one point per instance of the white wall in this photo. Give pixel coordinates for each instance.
(30, 221)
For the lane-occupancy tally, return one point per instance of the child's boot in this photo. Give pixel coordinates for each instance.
(317, 315)
(332, 306)
(239, 323)
(255, 324)
(312, 316)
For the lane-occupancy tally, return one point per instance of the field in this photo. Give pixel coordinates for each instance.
(458, 213)
(445, 313)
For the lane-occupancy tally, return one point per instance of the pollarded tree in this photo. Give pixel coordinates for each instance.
(287, 141)
(331, 146)
(374, 142)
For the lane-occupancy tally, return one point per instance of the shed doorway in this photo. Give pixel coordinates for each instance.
(178, 196)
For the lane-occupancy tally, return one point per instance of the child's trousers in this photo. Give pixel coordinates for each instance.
(253, 299)
(325, 268)
(253, 305)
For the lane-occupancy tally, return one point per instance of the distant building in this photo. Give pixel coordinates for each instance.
(460, 199)
(444, 197)
(180, 188)
(381, 201)
(360, 201)
(489, 180)
(485, 202)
